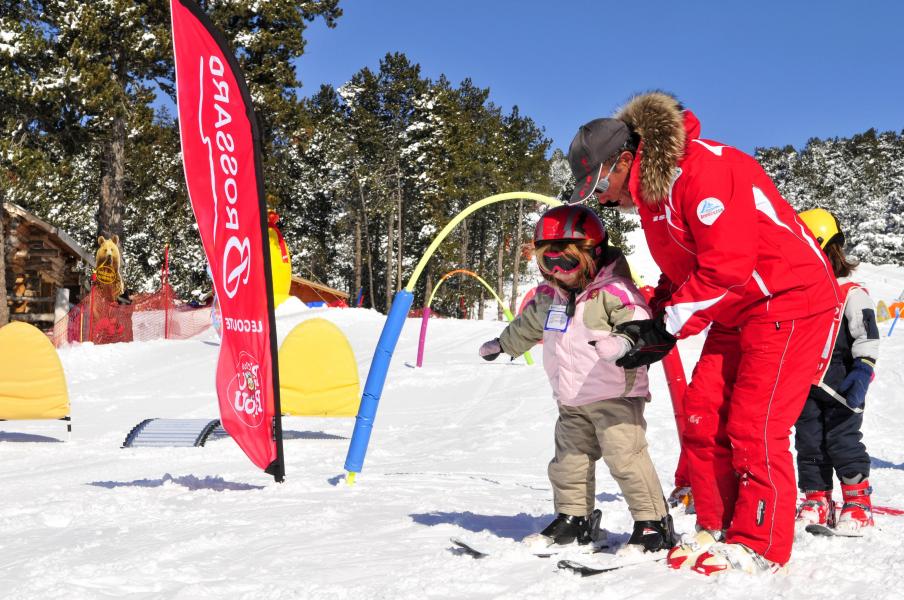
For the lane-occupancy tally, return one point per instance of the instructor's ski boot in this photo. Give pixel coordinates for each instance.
(685, 554)
(733, 557)
(568, 529)
(653, 536)
(857, 511)
(816, 509)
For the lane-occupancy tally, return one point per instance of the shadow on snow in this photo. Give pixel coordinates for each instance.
(9, 436)
(290, 434)
(217, 484)
(878, 463)
(515, 527)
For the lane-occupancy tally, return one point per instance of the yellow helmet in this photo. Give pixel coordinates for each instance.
(824, 226)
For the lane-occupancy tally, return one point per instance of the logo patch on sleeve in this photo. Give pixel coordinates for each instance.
(709, 210)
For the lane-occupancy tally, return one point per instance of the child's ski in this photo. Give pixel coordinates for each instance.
(467, 548)
(597, 567)
(474, 549)
(817, 529)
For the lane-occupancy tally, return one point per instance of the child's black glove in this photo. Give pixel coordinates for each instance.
(651, 342)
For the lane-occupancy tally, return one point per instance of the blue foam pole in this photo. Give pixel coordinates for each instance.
(895, 322)
(376, 377)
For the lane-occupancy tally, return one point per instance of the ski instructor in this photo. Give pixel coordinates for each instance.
(735, 258)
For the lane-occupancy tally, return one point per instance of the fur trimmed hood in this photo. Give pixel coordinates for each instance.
(659, 120)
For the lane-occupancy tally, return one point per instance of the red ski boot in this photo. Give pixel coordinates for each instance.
(816, 509)
(857, 512)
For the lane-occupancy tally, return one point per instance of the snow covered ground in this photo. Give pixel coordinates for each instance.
(459, 448)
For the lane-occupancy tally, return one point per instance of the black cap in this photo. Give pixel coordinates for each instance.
(595, 142)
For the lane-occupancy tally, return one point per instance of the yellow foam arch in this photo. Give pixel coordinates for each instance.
(282, 271)
(318, 374)
(32, 382)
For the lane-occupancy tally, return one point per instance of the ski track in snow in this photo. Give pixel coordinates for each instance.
(459, 448)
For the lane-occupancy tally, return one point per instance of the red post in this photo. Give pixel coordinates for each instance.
(674, 376)
(164, 282)
(91, 309)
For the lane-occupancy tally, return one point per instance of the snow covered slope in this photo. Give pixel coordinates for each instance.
(459, 448)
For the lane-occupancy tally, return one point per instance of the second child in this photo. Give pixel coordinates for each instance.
(828, 436)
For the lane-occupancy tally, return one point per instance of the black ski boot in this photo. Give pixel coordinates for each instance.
(652, 536)
(567, 529)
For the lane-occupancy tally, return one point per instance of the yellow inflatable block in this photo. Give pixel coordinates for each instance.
(32, 383)
(882, 313)
(318, 375)
(282, 271)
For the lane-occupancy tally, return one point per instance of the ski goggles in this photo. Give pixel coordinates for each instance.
(559, 262)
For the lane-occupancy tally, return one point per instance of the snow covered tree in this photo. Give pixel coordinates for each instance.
(81, 79)
(858, 179)
(319, 209)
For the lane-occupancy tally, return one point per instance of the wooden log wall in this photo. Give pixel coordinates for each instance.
(39, 265)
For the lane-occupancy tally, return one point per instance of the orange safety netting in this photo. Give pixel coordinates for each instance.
(150, 316)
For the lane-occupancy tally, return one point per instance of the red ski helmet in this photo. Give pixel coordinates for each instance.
(570, 222)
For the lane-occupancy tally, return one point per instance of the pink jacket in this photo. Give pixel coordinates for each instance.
(581, 373)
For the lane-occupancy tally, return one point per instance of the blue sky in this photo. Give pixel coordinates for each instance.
(763, 73)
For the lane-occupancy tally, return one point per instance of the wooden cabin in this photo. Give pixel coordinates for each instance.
(46, 270)
(308, 291)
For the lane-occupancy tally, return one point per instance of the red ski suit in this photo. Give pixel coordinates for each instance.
(734, 255)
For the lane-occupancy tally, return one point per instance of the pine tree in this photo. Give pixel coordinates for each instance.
(319, 210)
(857, 179)
(81, 80)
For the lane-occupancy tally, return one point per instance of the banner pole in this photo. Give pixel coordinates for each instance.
(220, 137)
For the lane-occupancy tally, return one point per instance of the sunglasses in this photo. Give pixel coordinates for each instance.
(602, 186)
(559, 262)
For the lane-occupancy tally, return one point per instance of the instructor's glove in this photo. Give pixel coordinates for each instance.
(651, 342)
(490, 350)
(853, 388)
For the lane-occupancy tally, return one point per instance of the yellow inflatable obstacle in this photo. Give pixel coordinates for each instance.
(32, 383)
(318, 375)
(882, 313)
(280, 261)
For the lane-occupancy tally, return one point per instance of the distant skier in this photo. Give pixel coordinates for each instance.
(828, 433)
(601, 405)
(738, 263)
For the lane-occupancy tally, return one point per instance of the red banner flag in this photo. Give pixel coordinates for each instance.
(222, 161)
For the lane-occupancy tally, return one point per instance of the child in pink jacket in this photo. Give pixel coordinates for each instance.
(589, 293)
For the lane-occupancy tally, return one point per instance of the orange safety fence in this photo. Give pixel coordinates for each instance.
(895, 308)
(150, 316)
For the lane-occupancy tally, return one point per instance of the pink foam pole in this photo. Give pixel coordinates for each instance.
(423, 337)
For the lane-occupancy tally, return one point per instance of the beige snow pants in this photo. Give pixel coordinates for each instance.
(615, 431)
